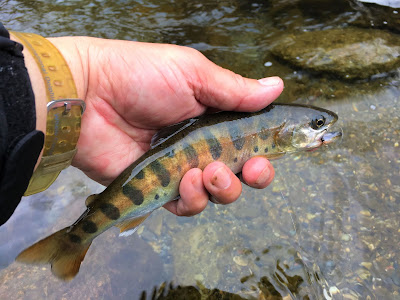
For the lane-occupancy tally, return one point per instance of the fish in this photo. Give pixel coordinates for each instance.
(153, 179)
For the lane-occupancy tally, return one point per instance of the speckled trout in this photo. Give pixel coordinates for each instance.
(153, 179)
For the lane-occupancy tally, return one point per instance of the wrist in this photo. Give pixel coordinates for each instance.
(75, 59)
(39, 91)
(75, 52)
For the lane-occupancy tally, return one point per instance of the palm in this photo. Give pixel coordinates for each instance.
(121, 118)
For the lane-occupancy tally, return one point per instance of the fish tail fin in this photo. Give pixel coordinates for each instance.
(64, 256)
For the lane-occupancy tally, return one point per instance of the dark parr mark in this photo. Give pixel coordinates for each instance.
(273, 145)
(256, 149)
(266, 150)
(110, 211)
(214, 146)
(140, 175)
(135, 195)
(74, 238)
(235, 159)
(264, 134)
(191, 156)
(237, 140)
(156, 196)
(161, 172)
(238, 143)
(89, 226)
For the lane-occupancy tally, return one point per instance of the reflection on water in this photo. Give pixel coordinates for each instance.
(328, 226)
(270, 287)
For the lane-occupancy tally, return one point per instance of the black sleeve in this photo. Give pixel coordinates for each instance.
(20, 142)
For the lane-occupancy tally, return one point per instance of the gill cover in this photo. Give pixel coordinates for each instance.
(305, 130)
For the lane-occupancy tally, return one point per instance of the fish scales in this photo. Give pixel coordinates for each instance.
(153, 180)
(214, 142)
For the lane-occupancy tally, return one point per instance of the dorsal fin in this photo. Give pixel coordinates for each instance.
(169, 131)
(129, 226)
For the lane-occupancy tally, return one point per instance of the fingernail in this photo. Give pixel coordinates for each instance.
(221, 178)
(263, 177)
(270, 81)
(214, 200)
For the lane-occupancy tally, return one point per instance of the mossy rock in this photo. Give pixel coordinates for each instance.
(350, 53)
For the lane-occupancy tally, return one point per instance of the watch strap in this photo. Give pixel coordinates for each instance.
(64, 111)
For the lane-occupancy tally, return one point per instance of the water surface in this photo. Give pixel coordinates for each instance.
(327, 227)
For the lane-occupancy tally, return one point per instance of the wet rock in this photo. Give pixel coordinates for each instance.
(363, 274)
(333, 290)
(330, 265)
(396, 274)
(349, 52)
(240, 260)
(366, 265)
(365, 213)
(377, 16)
(346, 237)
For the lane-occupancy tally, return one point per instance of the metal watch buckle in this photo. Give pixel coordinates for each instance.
(67, 103)
(51, 165)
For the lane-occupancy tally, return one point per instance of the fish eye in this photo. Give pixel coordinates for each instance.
(318, 122)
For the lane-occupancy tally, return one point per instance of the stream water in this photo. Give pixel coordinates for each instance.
(328, 227)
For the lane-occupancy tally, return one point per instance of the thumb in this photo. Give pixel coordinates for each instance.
(223, 89)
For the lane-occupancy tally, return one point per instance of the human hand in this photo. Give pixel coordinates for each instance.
(132, 89)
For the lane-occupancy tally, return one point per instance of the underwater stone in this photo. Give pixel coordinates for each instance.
(350, 53)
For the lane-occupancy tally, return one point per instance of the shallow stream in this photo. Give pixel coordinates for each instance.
(328, 227)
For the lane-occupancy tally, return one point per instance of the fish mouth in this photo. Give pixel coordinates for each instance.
(330, 137)
(325, 137)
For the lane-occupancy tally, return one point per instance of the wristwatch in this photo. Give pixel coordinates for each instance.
(64, 111)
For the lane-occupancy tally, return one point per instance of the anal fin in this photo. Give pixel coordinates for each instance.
(129, 226)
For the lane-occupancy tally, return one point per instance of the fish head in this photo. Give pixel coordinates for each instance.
(306, 128)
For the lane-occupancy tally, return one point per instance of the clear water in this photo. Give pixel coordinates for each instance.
(328, 226)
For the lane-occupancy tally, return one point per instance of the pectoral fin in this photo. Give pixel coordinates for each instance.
(129, 226)
(274, 155)
(90, 199)
(169, 131)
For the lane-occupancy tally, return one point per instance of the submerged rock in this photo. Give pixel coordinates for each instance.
(349, 53)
